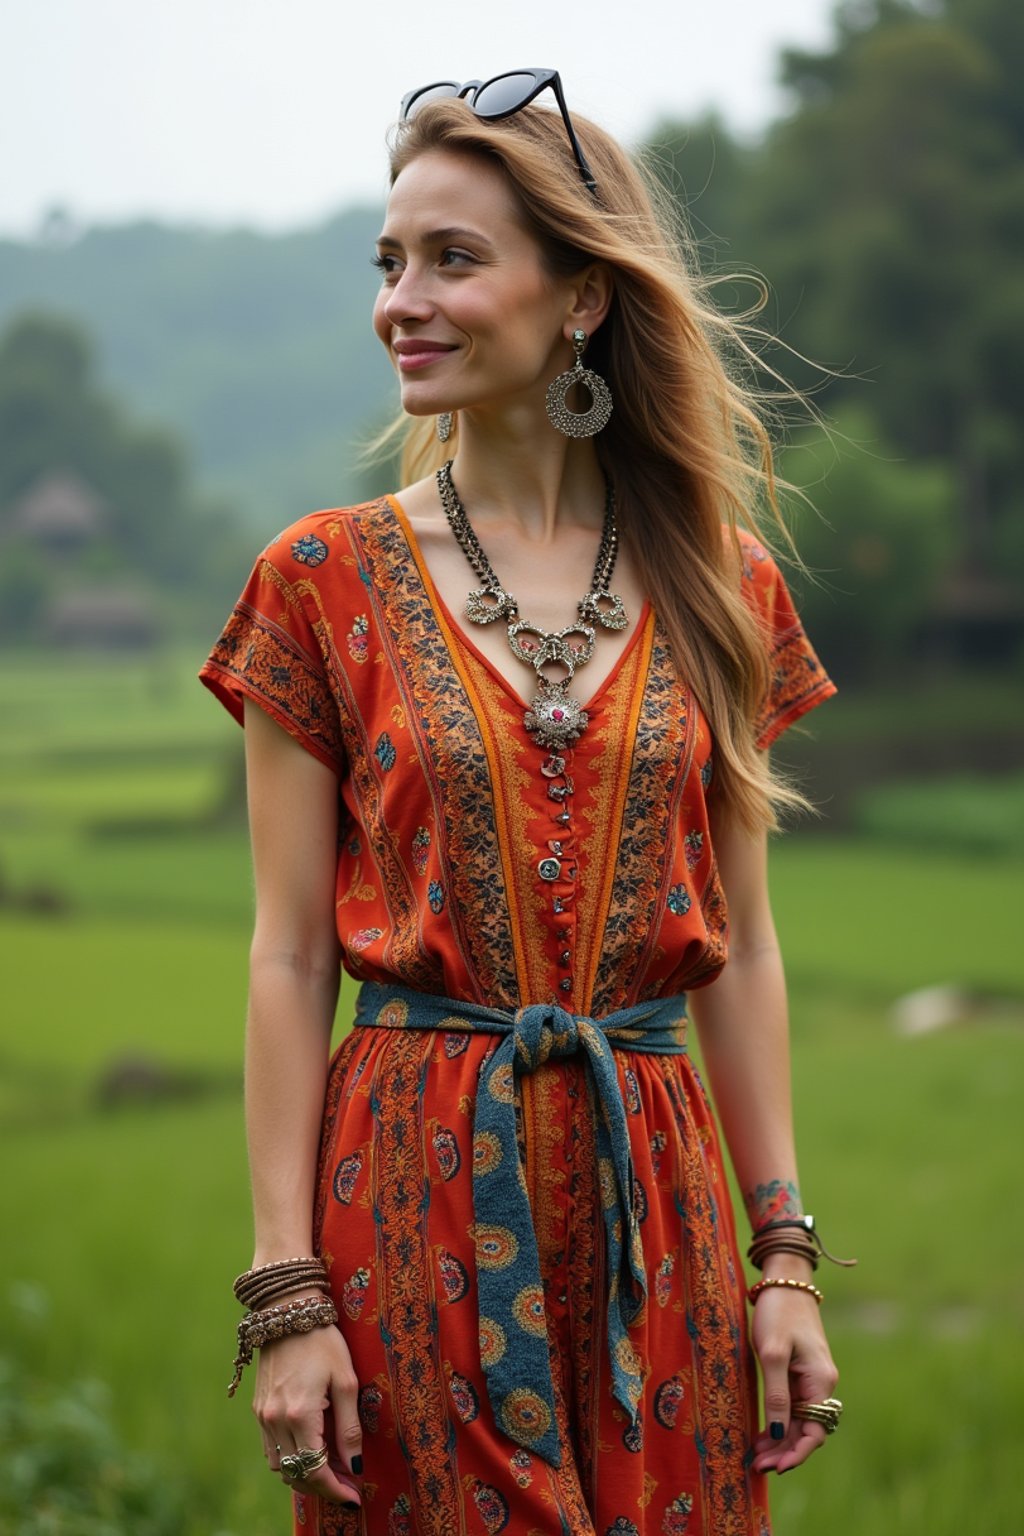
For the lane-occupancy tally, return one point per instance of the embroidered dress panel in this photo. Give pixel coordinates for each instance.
(355, 658)
(541, 890)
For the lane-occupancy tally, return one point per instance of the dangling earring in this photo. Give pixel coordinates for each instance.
(444, 426)
(579, 423)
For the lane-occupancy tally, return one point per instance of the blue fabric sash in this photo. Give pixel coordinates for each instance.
(513, 1332)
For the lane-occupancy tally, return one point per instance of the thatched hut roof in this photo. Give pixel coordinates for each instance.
(118, 617)
(59, 509)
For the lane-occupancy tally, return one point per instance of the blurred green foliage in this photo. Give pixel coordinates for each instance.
(886, 210)
(150, 523)
(977, 814)
(878, 556)
(256, 350)
(67, 1471)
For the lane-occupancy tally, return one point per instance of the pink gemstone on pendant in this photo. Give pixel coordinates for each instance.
(558, 714)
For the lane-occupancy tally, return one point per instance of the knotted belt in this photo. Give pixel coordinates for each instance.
(514, 1351)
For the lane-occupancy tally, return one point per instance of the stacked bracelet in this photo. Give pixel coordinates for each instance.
(273, 1323)
(783, 1284)
(270, 1282)
(259, 1289)
(791, 1234)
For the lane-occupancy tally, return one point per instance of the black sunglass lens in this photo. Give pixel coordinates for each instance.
(443, 91)
(499, 97)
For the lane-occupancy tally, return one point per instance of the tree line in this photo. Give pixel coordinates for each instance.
(142, 527)
(885, 210)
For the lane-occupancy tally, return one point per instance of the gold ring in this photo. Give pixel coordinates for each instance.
(827, 1414)
(303, 1462)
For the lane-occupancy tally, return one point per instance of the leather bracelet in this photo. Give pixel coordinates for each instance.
(778, 1281)
(255, 1281)
(758, 1252)
(272, 1291)
(790, 1225)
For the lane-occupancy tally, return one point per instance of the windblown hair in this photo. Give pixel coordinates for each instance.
(686, 446)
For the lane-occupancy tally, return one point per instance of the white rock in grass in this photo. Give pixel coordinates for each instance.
(931, 1008)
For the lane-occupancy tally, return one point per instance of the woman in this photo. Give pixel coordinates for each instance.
(521, 820)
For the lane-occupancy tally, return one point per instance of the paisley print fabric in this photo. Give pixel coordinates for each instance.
(511, 1297)
(459, 875)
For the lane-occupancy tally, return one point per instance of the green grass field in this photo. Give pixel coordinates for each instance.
(117, 1220)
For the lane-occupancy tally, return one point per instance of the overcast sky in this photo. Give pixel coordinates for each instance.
(273, 112)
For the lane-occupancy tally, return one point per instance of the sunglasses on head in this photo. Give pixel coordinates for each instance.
(500, 97)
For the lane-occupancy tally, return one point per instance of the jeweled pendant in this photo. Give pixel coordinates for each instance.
(554, 719)
(570, 647)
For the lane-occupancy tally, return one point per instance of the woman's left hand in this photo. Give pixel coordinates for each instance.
(796, 1366)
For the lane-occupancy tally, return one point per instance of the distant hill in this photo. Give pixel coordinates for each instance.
(256, 348)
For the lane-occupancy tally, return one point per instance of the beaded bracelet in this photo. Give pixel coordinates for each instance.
(291, 1317)
(265, 1327)
(790, 1285)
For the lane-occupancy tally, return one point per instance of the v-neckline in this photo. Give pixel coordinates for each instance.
(447, 623)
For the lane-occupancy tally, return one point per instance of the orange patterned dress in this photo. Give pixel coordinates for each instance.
(468, 868)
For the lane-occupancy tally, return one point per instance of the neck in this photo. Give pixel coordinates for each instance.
(527, 475)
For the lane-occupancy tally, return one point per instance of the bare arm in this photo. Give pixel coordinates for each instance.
(744, 1036)
(742, 1023)
(293, 991)
(294, 976)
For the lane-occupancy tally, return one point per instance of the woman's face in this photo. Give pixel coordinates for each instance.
(468, 312)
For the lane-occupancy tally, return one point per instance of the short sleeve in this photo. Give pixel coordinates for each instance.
(798, 681)
(272, 651)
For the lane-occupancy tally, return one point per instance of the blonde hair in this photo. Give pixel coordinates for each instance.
(686, 446)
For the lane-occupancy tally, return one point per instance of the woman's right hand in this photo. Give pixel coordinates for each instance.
(306, 1391)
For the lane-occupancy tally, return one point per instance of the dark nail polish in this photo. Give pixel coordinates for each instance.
(778, 1430)
(357, 1466)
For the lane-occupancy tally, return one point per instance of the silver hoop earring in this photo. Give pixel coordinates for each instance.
(444, 426)
(579, 423)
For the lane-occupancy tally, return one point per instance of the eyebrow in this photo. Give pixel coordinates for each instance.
(439, 236)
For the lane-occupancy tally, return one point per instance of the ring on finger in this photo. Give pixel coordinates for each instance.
(302, 1463)
(828, 1422)
(827, 1414)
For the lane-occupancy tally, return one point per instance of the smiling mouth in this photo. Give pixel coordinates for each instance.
(420, 355)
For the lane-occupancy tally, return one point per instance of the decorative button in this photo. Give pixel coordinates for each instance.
(560, 818)
(563, 1298)
(553, 766)
(560, 791)
(566, 984)
(549, 869)
(565, 958)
